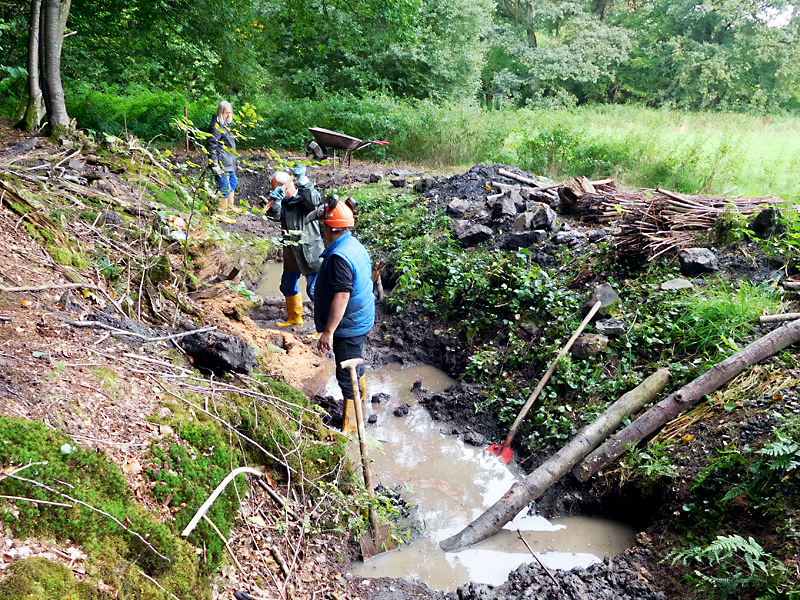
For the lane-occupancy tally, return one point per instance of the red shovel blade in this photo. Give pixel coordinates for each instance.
(504, 454)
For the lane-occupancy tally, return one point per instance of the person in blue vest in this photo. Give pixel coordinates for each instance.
(344, 306)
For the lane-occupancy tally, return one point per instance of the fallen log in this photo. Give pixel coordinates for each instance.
(686, 397)
(778, 318)
(791, 285)
(539, 481)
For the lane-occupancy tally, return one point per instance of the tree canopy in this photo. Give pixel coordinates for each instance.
(712, 54)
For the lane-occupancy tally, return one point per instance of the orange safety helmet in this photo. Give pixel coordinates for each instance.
(339, 216)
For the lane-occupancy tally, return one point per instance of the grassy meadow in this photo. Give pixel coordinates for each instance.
(691, 152)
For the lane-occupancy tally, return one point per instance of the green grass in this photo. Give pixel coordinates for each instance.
(690, 152)
(717, 320)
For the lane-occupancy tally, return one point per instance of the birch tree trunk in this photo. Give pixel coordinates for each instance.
(686, 397)
(539, 481)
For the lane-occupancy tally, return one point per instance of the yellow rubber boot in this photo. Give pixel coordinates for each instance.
(232, 205)
(294, 306)
(349, 422)
(362, 385)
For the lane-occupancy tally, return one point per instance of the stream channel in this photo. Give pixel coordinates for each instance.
(450, 483)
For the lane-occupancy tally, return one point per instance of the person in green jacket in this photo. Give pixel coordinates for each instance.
(304, 241)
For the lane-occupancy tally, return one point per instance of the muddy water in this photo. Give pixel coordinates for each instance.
(450, 484)
(270, 282)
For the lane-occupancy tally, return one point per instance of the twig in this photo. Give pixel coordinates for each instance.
(279, 500)
(775, 318)
(36, 501)
(146, 576)
(55, 286)
(144, 338)
(546, 570)
(279, 559)
(219, 489)
(6, 319)
(227, 545)
(90, 507)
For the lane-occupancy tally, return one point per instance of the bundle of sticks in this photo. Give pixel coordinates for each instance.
(661, 222)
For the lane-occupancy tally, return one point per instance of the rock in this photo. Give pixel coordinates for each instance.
(607, 297)
(695, 261)
(768, 224)
(402, 411)
(458, 207)
(109, 217)
(676, 284)
(372, 419)
(589, 344)
(611, 327)
(504, 207)
(219, 352)
(597, 235)
(67, 303)
(475, 235)
(399, 182)
(458, 227)
(406, 172)
(523, 239)
(375, 176)
(425, 184)
(568, 236)
(474, 438)
(539, 216)
(379, 397)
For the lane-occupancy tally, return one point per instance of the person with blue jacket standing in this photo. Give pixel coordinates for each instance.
(344, 306)
(222, 154)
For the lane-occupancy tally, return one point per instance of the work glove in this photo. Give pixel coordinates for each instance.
(303, 181)
(217, 171)
(278, 195)
(299, 171)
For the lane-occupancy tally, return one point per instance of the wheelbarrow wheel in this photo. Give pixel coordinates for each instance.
(315, 151)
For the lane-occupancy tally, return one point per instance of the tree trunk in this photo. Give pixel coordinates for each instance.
(34, 110)
(539, 481)
(52, 26)
(686, 397)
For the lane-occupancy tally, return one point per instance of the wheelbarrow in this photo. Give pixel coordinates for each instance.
(325, 139)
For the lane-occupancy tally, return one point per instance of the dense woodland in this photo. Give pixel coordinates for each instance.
(734, 55)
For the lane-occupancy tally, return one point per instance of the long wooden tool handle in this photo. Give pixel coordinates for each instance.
(549, 372)
(362, 444)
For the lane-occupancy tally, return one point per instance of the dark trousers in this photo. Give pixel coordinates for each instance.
(345, 349)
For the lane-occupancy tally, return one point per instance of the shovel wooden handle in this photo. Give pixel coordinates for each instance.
(547, 375)
(351, 365)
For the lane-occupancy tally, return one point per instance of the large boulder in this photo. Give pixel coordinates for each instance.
(767, 224)
(540, 216)
(523, 239)
(458, 207)
(696, 261)
(504, 207)
(219, 352)
(476, 234)
(609, 300)
(588, 345)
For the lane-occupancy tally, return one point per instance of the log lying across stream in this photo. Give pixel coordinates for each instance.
(686, 397)
(539, 481)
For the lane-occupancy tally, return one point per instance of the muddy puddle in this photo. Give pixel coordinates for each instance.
(451, 483)
(270, 282)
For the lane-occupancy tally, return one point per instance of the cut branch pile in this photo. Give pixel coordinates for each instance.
(661, 222)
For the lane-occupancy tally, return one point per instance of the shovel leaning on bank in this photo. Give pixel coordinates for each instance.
(380, 539)
(504, 451)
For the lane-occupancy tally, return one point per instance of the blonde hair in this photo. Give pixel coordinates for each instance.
(223, 106)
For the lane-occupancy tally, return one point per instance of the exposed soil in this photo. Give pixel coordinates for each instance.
(53, 372)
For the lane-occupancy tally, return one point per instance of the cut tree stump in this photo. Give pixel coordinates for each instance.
(686, 397)
(539, 481)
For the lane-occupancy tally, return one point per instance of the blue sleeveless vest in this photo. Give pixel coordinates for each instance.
(359, 317)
